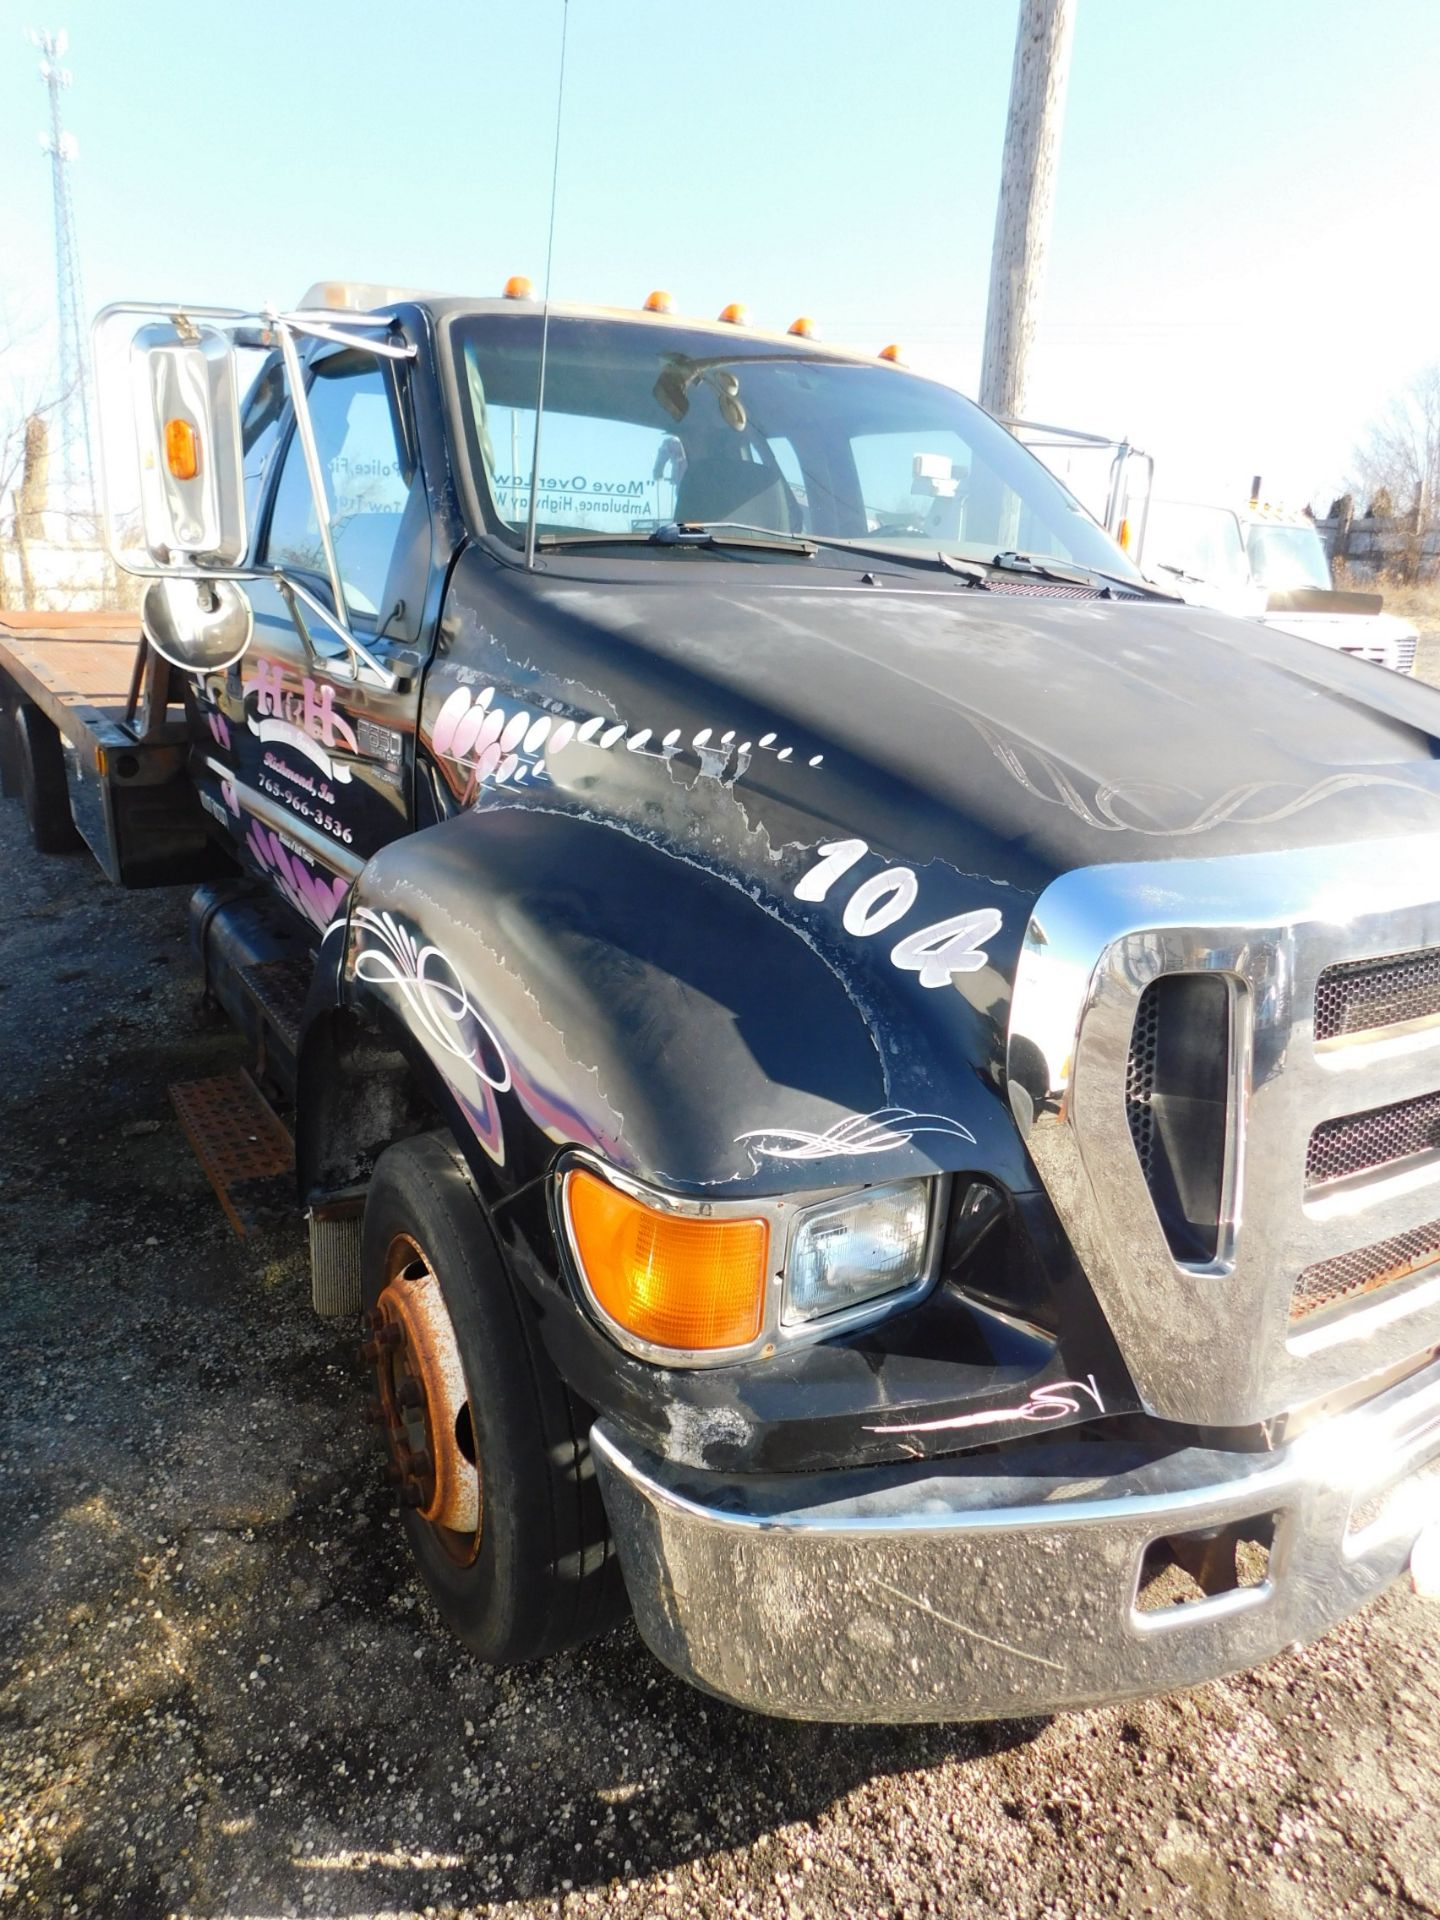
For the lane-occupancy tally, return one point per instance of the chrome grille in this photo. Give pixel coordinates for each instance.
(1329, 1282)
(1360, 1142)
(1140, 1081)
(1322, 946)
(1361, 995)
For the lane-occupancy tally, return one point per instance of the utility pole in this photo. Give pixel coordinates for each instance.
(1027, 193)
(72, 412)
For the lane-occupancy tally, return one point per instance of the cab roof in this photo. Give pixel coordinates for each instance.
(364, 296)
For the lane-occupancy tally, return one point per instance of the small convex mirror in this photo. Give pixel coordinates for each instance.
(201, 626)
(185, 396)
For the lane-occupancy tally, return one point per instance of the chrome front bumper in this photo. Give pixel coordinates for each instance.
(1005, 1584)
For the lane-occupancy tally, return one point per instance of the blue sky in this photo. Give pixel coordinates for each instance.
(1242, 264)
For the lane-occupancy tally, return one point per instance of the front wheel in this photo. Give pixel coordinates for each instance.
(489, 1448)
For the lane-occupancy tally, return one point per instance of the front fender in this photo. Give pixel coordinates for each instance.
(570, 981)
(533, 978)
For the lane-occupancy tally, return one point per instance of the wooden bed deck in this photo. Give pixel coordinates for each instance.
(72, 665)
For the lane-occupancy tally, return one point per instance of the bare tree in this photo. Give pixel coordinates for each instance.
(25, 403)
(1400, 454)
(49, 554)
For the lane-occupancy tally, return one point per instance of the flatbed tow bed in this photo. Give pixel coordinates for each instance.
(104, 741)
(93, 715)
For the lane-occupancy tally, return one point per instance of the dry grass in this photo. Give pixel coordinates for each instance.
(1417, 600)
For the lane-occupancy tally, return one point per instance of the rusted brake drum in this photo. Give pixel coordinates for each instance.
(424, 1402)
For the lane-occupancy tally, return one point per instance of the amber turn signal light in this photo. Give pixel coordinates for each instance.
(670, 1279)
(182, 449)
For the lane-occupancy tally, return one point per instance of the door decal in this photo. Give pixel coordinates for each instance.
(303, 718)
(315, 895)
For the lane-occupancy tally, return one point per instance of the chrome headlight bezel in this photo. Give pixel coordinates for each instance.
(784, 1214)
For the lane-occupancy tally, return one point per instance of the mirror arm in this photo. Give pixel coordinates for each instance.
(287, 593)
(329, 328)
(305, 427)
(360, 653)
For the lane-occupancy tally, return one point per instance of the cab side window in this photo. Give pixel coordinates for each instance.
(260, 432)
(368, 483)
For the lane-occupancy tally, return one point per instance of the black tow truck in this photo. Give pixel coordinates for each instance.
(870, 1077)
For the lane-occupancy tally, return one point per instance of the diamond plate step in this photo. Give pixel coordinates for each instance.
(242, 1146)
(278, 988)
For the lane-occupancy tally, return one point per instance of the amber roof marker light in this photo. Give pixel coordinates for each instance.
(805, 327)
(892, 354)
(737, 314)
(659, 302)
(518, 287)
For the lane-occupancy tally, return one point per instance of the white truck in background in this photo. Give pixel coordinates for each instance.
(1270, 563)
(1288, 561)
(1260, 561)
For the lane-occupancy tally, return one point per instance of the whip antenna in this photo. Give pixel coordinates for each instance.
(545, 317)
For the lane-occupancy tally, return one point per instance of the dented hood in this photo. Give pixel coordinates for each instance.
(1023, 733)
(776, 877)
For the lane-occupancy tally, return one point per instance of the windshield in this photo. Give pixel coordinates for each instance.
(649, 424)
(1201, 542)
(1285, 557)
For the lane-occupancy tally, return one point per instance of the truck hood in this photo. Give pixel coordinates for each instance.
(1023, 733)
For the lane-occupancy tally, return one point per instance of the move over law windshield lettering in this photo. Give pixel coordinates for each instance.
(646, 423)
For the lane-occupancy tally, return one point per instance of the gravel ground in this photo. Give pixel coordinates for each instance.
(225, 1694)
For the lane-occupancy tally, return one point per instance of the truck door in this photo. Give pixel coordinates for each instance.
(318, 753)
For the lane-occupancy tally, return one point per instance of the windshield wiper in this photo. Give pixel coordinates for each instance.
(975, 572)
(722, 535)
(729, 533)
(1087, 576)
(1043, 569)
(743, 535)
(970, 571)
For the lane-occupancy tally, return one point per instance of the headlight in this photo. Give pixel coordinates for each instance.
(695, 1283)
(857, 1249)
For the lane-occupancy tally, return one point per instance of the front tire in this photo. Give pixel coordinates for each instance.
(488, 1446)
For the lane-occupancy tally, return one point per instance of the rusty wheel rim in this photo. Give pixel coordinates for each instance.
(424, 1404)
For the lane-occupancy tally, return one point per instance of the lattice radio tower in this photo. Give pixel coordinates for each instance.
(71, 416)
